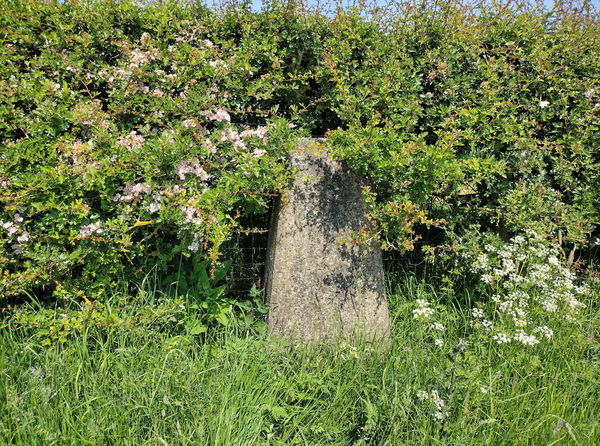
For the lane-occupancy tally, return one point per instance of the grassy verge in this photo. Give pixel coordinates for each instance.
(124, 384)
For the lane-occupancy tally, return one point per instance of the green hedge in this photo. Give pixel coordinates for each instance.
(135, 138)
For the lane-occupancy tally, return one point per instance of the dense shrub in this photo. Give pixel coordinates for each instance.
(135, 137)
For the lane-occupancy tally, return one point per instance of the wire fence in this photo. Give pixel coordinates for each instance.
(247, 251)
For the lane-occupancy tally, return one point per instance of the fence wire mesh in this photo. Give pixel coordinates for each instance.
(247, 251)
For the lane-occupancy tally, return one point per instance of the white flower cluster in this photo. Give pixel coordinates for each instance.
(438, 403)
(191, 215)
(530, 285)
(423, 310)
(195, 245)
(501, 338)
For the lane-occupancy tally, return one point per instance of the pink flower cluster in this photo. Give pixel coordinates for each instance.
(10, 227)
(218, 116)
(137, 58)
(132, 192)
(133, 140)
(231, 135)
(259, 132)
(190, 215)
(209, 145)
(91, 229)
(192, 167)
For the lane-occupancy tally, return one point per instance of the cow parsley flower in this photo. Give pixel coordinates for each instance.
(526, 339)
(545, 331)
(422, 395)
(423, 310)
(501, 338)
(477, 312)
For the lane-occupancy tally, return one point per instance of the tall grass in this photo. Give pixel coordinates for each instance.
(120, 385)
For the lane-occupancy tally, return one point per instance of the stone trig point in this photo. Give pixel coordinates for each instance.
(320, 285)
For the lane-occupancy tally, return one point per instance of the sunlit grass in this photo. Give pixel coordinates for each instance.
(119, 385)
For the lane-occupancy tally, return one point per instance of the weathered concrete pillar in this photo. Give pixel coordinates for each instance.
(318, 284)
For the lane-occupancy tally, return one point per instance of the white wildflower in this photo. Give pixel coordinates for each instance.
(487, 278)
(440, 415)
(545, 331)
(145, 38)
(422, 395)
(462, 345)
(477, 312)
(501, 338)
(423, 310)
(525, 339)
(487, 325)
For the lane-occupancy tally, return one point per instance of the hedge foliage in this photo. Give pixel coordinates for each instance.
(137, 136)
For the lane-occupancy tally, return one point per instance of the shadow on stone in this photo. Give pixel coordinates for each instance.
(319, 285)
